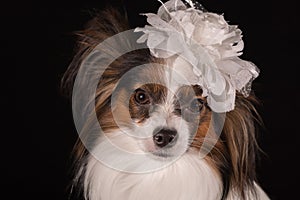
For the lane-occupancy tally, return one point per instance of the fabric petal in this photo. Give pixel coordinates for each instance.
(209, 46)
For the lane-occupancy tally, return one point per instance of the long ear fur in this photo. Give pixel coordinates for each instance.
(239, 135)
(105, 24)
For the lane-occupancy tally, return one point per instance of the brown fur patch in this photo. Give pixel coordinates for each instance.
(156, 93)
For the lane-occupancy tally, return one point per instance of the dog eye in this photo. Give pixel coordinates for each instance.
(141, 97)
(196, 105)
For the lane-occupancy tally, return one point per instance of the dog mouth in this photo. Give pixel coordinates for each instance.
(153, 150)
(157, 151)
(163, 154)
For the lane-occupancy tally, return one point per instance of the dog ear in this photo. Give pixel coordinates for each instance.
(104, 24)
(239, 135)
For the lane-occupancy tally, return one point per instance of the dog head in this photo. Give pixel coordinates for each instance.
(142, 110)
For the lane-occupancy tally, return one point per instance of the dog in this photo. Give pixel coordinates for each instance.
(162, 128)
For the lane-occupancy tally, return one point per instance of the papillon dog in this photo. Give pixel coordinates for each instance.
(157, 140)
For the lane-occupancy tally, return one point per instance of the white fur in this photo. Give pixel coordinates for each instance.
(187, 178)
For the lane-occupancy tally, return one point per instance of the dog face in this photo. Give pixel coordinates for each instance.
(172, 119)
(164, 119)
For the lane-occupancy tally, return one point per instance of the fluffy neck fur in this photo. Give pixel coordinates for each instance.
(187, 178)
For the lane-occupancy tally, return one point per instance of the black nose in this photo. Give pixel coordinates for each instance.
(164, 137)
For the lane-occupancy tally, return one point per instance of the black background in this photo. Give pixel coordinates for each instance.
(38, 44)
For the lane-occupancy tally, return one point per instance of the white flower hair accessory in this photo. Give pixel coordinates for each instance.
(206, 46)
